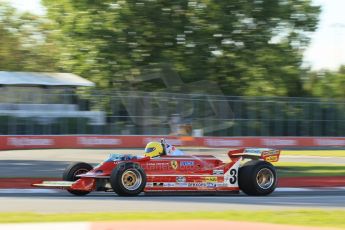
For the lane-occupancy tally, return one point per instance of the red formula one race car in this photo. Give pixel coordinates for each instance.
(249, 170)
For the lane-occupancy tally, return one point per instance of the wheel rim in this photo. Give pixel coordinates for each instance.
(265, 178)
(78, 172)
(131, 179)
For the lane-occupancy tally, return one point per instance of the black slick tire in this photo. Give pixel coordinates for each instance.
(71, 172)
(250, 178)
(127, 173)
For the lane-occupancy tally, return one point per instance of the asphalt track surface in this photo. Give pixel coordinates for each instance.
(57, 201)
(51, 163)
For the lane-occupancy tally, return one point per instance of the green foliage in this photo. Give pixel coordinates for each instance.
(327, 84)
(246, 47)
(23, 46)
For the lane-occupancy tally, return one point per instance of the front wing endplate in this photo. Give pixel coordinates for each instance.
(55, 184)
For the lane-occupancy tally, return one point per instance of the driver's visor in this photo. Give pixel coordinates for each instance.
(148, 150)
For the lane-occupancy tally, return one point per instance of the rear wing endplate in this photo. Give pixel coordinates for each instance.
(270, 155)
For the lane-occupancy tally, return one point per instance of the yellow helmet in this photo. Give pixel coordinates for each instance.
(153, 149)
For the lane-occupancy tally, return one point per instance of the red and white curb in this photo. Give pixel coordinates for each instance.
(156, 225)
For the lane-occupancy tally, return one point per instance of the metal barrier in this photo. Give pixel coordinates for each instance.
(143, 113)
(9, 142)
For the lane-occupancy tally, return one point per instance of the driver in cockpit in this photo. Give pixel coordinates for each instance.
(157, 149)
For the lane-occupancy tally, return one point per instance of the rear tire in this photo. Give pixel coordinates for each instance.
(257, 178)
(71, 172)
(128, 179)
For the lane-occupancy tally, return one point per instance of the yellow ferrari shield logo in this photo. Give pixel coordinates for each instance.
(174, 164)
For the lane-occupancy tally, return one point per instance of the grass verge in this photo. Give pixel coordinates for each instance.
(299, 169)
(321, 153)
(325, 218)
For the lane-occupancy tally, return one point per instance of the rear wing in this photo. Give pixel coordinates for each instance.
(270, 155)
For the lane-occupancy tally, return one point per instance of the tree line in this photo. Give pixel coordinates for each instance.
(246, 47)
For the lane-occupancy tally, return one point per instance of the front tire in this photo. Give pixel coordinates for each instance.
(257, 178)
(71, 172)
(128, 179)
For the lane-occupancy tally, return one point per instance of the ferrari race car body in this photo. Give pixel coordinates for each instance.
(129, 175)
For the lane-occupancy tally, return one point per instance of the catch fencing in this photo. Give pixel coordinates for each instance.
(92, 112)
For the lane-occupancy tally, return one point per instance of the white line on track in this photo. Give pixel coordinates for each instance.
(24, 191)
(288, 189)
(45, 226)
(21, 164)
(293, 189)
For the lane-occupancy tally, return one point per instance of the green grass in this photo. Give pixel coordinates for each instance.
(326, 153)
(299, 169)
(324, 218)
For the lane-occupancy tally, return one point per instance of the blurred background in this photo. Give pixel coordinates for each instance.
(86, 77)
(188, 67)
